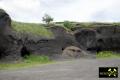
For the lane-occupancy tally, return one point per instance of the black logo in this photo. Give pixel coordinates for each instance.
(108, 72)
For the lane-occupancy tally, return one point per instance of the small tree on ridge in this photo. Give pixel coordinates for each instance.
(47, 19)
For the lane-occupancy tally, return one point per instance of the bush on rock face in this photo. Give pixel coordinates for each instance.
(68, 24)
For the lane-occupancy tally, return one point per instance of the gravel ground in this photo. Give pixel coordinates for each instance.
(80, 69)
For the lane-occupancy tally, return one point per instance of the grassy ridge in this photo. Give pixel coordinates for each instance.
(90, 24)
(35, 29)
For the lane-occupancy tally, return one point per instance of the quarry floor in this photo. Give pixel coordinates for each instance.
(80, 69)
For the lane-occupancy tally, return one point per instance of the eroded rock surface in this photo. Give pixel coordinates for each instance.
(103, 38)
(15, 46)
(86, 38)
(9, 50)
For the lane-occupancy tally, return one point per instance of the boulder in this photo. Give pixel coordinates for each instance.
(72, 52)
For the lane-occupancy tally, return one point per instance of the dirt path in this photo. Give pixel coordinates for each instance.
(82, 69)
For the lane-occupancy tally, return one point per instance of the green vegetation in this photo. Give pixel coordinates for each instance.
(107, 54)
(38, 59)
(87, 24)
(47, 19)
(68, 24)
(35, 29)
(29, 61)
(40, 29)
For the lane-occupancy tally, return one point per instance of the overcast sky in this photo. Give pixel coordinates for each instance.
(60, 10)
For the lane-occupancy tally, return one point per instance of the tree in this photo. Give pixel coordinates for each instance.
(47, 19)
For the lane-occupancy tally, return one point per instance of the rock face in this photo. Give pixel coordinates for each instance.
(5, 21)
(63, 38)
(103, 38)
(55, 46)
(15, 46)
(8, 48)
(86, 38)
(108, 38)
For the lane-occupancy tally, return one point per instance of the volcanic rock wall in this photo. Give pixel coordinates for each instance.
(8, 46)
(15, 47)
(103, 38)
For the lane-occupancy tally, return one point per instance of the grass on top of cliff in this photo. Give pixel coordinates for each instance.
(29, 61)
(87, 24)
(33, 28)
(108, 54)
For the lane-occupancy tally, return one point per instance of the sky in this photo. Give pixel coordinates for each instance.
(61, 10)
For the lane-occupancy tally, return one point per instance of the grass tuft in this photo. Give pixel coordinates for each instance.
(107, 54)
(37, 59)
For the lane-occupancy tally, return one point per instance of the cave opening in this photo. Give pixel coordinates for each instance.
(63, 49)
(24, 52)
(2, 53)
(100, 40)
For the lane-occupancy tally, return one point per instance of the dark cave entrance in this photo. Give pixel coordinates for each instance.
(24, 52)
(2, 53)
(99, 43)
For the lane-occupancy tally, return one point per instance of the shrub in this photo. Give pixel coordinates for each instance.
(68, 24)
